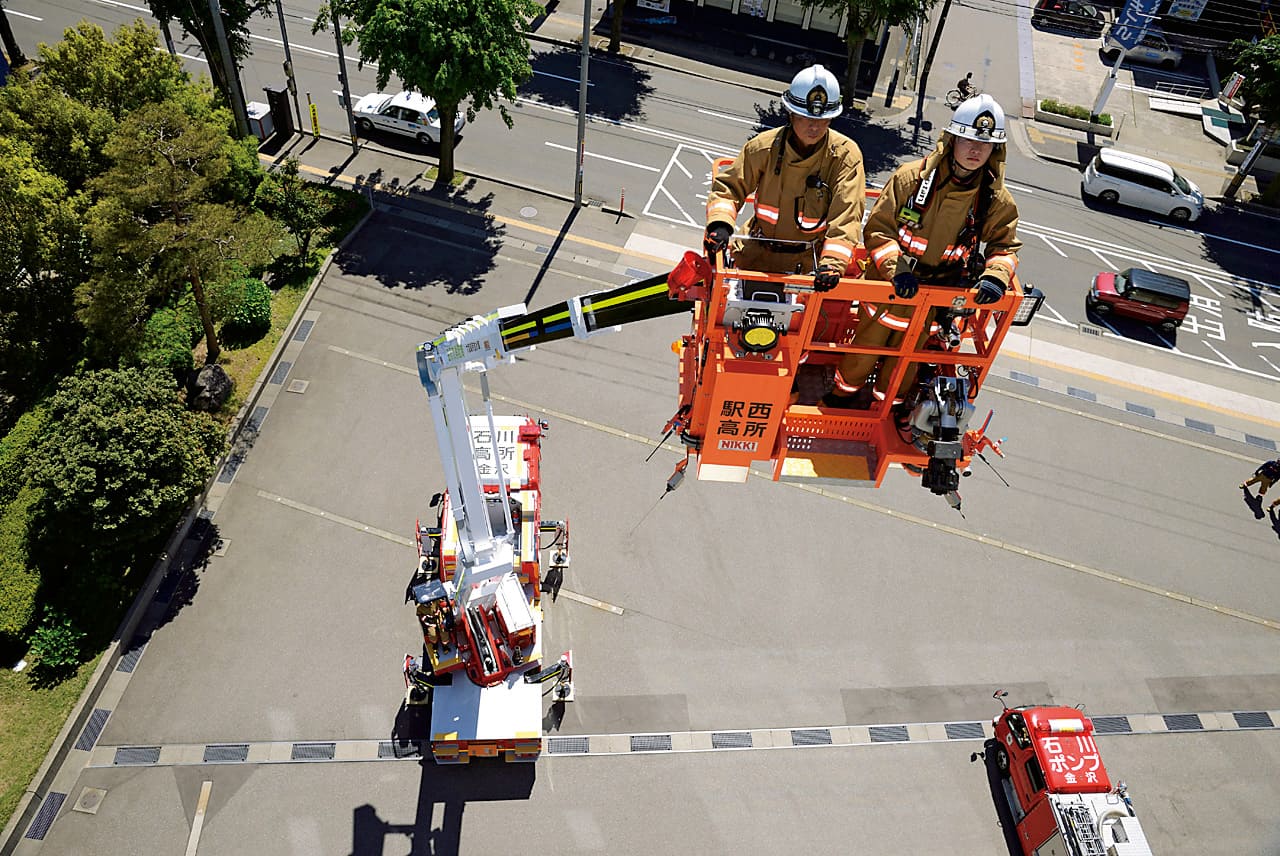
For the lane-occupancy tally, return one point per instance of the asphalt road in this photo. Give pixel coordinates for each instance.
(1102, 575)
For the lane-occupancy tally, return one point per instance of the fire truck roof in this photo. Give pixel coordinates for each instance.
(1063, 741)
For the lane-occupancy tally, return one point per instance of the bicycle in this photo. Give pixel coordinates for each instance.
(954, 98)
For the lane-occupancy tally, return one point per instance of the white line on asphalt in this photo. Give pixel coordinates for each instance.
(1220, 354)
(1206, 284)
(752, 122)
(1061, 319)
(25, 15)
(1168, 344)
(197, 824)
(680, 167)
(336, 518)
(1106, 261)
(603, 157)
(630, 127)
(185, 56)
(125, 6)
(1274, 368)
(560, 77)
(687, 218)
(591, 601)
(1018, 188)
(1053, 246)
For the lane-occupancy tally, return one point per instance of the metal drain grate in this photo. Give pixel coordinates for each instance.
(731, 740)
(304, 330)
(1023, 377)
(568, 745)
(1182, 722)
(810, 737)
(399, 749)
(133, 756)
(651, 743)
(281, 372)
(1111, 725)
(92, 729)
(888, 733)
(964, 730)
(44, 818)
(312, 752)
(216, 753)
(1254, 719)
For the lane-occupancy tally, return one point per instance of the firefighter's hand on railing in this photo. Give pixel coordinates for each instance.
(827, 277)
(989, 290)
(905, 284)
(717, 238)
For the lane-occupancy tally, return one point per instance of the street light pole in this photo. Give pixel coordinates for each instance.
(342, 77)
(582, 103)
(234, 94)
(288, 65)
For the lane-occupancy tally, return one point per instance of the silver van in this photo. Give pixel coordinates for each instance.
(1116, 177)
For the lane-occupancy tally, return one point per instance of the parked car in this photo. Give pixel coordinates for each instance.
(1128, 179)
(1153, 49)
(1156, 298)
(409, 113)
(1068, 15)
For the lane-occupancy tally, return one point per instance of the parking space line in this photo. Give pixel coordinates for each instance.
(337, 518)
(602, 157)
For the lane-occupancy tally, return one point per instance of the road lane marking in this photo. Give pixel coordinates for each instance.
(24, 15)
(727, 117)
(141, 9)
(1053, 246)
(337, 518)
(572, 80)
(191, 57)
(603, 157)
(197, 825)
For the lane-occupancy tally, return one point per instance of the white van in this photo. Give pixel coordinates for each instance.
(1129, 179)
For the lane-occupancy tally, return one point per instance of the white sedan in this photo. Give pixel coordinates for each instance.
(409, 113)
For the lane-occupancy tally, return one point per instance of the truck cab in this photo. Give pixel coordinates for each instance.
(1057, 788)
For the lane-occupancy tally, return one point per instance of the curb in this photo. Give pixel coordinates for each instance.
(33, 797)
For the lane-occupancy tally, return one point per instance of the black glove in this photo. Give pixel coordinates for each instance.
(905, 284)
(717, 238)
(990, 290)
(827, 277)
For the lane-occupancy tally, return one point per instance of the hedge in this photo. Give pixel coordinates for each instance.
(1075, 111)
(15, 449)
(18, 581)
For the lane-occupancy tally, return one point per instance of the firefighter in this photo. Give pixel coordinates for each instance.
(809, 185)
(944, 220)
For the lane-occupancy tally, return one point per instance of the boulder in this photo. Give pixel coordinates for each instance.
(209, 388)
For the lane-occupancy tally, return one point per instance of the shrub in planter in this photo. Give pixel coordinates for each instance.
(1074, 111)
(56, 643)
(252, 316)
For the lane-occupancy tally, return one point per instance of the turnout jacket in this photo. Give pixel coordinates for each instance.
(821, 197)
(938, 241)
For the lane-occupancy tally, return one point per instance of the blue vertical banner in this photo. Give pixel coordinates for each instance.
(4, 68)
(1133, 20)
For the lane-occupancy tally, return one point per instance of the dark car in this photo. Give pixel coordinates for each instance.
(1068, 15)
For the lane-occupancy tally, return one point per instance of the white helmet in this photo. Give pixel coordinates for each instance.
(813, 94)
(978, 118)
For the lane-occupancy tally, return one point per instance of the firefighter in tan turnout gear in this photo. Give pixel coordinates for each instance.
(945, 220)
(809, 184)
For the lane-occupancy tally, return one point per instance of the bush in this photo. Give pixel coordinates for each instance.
(19, 582)
(166, 343)
(15, 449)
(56, 643)
(1075, 111)
(251, 319)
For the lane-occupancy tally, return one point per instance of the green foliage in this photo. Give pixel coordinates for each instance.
(120, 460)
(450, 50)
(296, 203)
(19, 581)
(117, 75)
(166, 343)
(251, 318)
(68, 137)
(1260, 64)
(56, 643)
(1074, 111)
(16, 448)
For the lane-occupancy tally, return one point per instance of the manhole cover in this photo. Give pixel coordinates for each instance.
(90, 799)
(298, 386)
(528, 211)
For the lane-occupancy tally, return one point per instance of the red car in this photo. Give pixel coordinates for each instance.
(1156, 298)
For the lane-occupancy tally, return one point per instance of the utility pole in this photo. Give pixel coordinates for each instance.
(342, 78)
(928, 61)
(582, 103)
(288, 66)
(1242, 172)
(11, 46)
(168, 38)
(234, 94)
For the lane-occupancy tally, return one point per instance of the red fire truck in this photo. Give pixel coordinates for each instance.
(1057, 789)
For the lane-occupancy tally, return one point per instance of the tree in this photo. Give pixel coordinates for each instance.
(865, 18)
(449, 50)
(40, 259)
(296, 203)
(119, 460)
(615, 25)
(117, 75)
(1259, 62)
(197, 22)
(158, 227)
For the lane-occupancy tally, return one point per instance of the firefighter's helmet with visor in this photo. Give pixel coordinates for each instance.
(814, 94)
(979, 118)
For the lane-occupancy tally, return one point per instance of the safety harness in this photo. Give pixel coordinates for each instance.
(962, 260)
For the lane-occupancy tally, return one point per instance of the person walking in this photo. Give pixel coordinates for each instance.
(1265, 475)
(810, 190)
